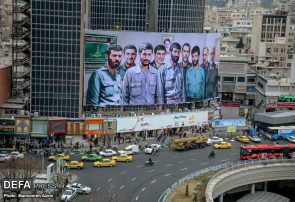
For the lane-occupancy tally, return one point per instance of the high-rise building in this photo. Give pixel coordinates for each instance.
(147, 15)
(56, 73)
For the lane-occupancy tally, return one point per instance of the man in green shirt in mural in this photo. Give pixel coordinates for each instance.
(130, 53)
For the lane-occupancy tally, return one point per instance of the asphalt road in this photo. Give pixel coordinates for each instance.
(135, 181)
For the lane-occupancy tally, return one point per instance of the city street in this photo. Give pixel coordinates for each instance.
(137, 182)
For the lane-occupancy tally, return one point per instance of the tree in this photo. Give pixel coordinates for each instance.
(26, 168)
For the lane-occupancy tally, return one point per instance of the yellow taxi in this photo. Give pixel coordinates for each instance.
(61, 156)
(123, 158)
(222, 145)
(74, 164)
(242, 138)
(104, 163)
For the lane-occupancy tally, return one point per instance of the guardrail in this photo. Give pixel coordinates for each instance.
(226, 167)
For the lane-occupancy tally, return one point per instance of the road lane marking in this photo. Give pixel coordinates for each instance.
(98, 189)
(139, 166)
(133, 179)
(195, 153)
(153, 181)
(169, 165)
(167, 174)
(156, 161)
(224, 160)
(193, 159)
(180, 161)
(234, 154)
(183, 169)
(122, 173)
(143, 189)
(136, 198)
(150, 171)
(122, 187)
(174, 157)
(204, 163)
(109, 179)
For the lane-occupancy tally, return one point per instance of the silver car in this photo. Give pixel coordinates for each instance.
(291, 139)
(254, 138)
(68, 195)
(4, 157)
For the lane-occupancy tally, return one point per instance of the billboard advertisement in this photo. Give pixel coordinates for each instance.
(145, 68)
(228, 122)
(151, 122)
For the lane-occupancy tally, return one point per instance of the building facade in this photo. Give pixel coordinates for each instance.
(56, 38)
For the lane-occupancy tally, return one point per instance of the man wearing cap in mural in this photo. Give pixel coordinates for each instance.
(129, 57)
(212, 76)
(170, 79)
(105, 84)
(140, 82)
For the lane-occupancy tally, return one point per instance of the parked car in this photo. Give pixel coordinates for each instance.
(255, 138)
(91, 157)
(242, 138)
(104, 163)
(222, 145)
(214, 140)
(61, 156)
(68, 194)
(108, 153)
(81, 189)
(74, 164)
(4, 157)
(150, 148)
(122, 158)
(130, 149)
(291, 139)
(17, 155)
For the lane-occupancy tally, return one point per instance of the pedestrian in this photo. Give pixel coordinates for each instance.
(184, 135)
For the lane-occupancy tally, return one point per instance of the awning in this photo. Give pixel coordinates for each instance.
(7, 133)
(39, 135)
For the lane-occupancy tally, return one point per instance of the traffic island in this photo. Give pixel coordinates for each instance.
(193, 190)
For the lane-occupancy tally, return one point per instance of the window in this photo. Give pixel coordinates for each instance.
(251, 79)
(229, 79)
(250, 89)
(241, 79)
(260, 85)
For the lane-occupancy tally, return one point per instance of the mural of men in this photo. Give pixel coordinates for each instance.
(205, 64)
(212, 76)
(129, 56)
(140, 82)
(105, 84)
(195, 78)
(159, 55)
(170, 79)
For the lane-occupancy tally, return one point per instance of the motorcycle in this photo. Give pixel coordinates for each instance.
(211, 156)
(149, 163)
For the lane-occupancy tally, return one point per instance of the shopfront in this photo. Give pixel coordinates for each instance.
(94, 131)
(7, 133)
(75, 131)
(39, 134)
(22, 132)
(57, 130)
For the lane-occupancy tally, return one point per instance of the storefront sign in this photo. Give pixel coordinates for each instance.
(151, 122)
(93, 126)
(229, 122)
(22, 125)
(231, 129)
(75, 127)
(57, 126)
(271, 102)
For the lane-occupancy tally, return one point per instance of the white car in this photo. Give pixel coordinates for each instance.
(68, 195)
(291, 139)
(108, 153)
(214, 140)
(16, 155)
(254, 138)
(150, 148)
(4, 157)
(81, 189)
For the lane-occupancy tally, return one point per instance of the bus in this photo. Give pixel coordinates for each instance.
(287, 98)
(267, 151)
(280, 132)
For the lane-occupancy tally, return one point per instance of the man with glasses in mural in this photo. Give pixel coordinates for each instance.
(140, 82)
(195, 78)
(170, 79)
(129, 57)
(105, 84)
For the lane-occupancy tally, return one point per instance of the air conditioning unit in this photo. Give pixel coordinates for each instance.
(36, 114)
(93, 115)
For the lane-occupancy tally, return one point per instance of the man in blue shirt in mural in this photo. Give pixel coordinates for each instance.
(195, 78)
(140, 82)
(170, 79)
(205, 64)
(105, 84)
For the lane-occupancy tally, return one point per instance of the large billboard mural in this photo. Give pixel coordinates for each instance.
(145, 68)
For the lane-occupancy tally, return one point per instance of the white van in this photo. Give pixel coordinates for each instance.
(130, 149)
